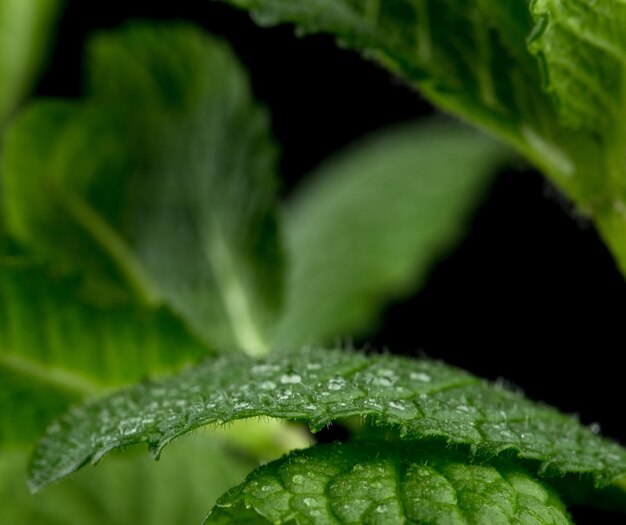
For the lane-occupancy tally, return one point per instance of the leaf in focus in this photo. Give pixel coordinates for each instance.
(582, 50)
(369, 224)
(546, 76)
(25, 30)
(56, 349)
(383, 483)
(128, 490)
(160, 183)
(420, 398)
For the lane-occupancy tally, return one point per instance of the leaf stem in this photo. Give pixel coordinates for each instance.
(236, 301)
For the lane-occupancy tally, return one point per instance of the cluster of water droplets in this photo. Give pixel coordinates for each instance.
(419, 397)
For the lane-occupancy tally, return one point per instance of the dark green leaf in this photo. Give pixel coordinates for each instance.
(420, 398)
(160, 184)
(544, 75)
(370, 224)
(381, 483)
(582, 49)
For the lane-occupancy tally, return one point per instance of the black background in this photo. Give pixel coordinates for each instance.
(531, 295)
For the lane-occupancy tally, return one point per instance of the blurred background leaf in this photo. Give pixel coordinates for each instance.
(56, 349)
(26, 27)
(129, 489)
(368, 225)
(161, 184)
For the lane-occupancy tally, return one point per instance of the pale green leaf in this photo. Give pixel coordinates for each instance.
(25, 30)
(387, 483)
(129, 490)
(419, 398)
(369, 224)
(161, 183)
(55, 348)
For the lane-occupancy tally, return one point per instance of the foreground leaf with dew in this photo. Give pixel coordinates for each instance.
(387, 483)
(419, 398)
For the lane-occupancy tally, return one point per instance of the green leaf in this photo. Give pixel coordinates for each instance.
(25, 30)
(419, 398)
(546, 76)
(128, 490)
(582, 50)
(161, 183)
(382, 483)
(469, 58)
(369, 225)
(55, 348)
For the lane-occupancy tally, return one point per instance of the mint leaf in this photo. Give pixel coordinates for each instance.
(369, 224)
(56, 349)
(25, 28)
(383, 483)
(582, 51)
(420, 398)
(127, 490)
(469, 58)
(75, 153)
(543, 75)
(161, 183)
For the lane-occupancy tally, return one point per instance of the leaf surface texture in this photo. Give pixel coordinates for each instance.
(420, 398)
(381, 483)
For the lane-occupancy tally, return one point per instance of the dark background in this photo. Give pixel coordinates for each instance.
(531, 295)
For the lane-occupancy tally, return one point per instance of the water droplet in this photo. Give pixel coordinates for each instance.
(267, 385)
(291, 379)
(298, 479)
(420, 376)
(309, 502)
(595, 428)
(264, 369)
(336, 383)
(383, 381)
(313, 366)
(381, 509)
